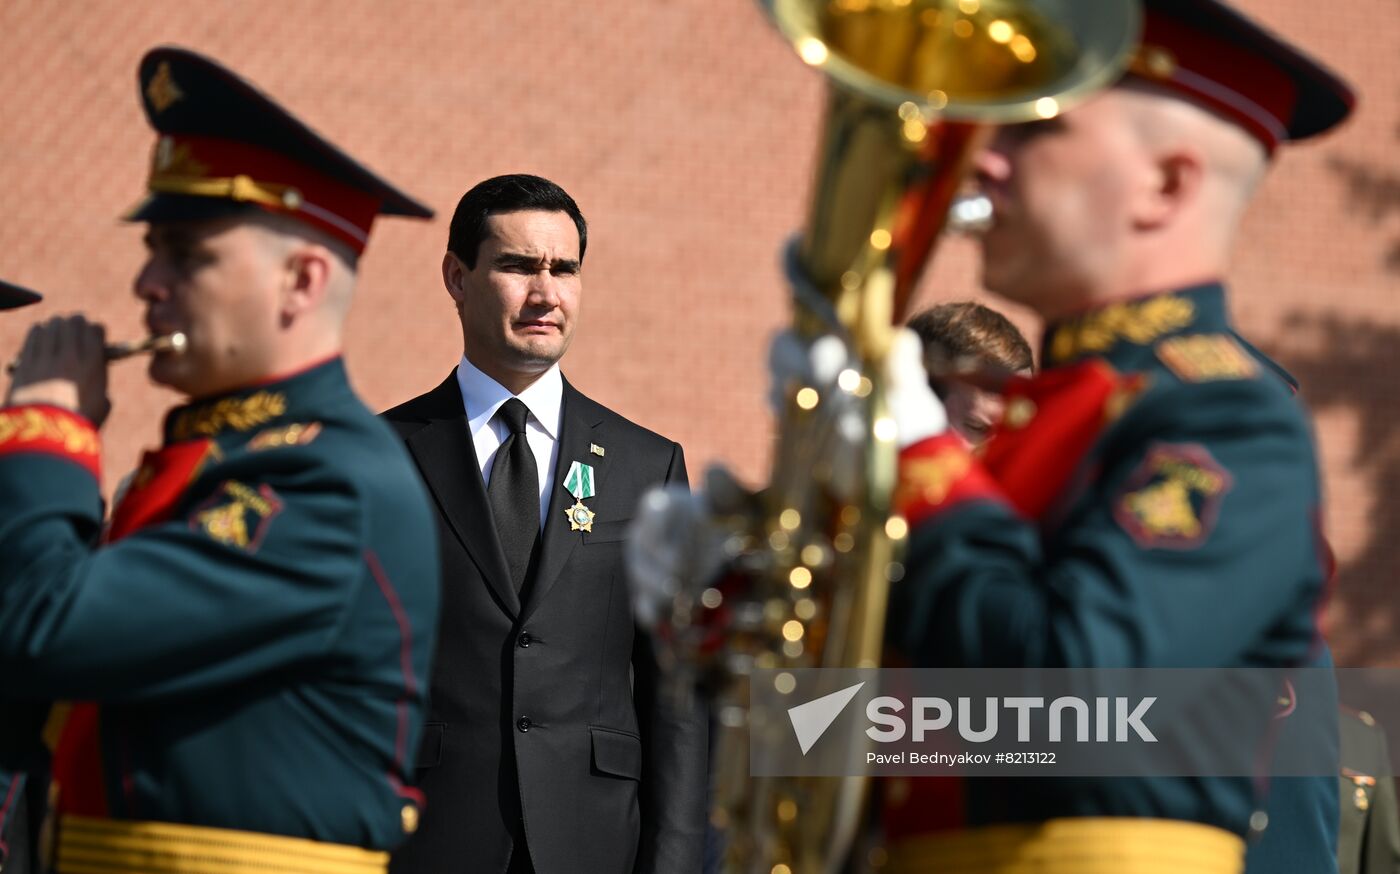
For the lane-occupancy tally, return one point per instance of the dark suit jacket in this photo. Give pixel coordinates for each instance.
(548, 711)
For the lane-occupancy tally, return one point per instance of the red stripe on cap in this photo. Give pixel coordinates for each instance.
(301, 191)
(1246, 87)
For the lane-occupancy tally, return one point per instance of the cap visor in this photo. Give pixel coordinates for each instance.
(14, 296)
(13, 299)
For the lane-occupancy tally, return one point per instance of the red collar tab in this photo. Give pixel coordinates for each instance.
(1051, 423)
(157, 486)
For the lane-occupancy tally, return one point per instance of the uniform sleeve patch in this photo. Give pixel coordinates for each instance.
(299, 434)
(929, 480)
(237, 515)
(1172, 500)
(1206, 358)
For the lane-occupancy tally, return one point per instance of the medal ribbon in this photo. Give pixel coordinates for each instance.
(579, 480)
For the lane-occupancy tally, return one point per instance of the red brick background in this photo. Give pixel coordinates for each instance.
(686, 132)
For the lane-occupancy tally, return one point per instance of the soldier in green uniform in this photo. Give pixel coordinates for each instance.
(1151, 498)
(240, 653)
(17, 830)
(1369, 839)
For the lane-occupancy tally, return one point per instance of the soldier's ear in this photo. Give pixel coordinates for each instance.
(308, 283)
(1173, 185)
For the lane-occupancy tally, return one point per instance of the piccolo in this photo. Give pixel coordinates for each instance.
(162, 343)
(117, 351)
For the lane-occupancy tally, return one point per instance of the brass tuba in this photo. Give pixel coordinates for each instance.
(916, 85)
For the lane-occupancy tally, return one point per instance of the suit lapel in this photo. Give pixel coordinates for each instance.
(447, 459)
(576, 435)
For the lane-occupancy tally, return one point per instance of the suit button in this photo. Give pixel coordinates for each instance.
(524, 723)
(525, 639)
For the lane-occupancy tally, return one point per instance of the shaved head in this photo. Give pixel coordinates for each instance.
(285, 236)
(1233, 161)
(1135, 190)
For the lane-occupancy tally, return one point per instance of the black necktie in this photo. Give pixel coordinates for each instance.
(514, 492)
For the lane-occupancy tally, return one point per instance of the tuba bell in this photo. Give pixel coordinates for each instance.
(916, 87)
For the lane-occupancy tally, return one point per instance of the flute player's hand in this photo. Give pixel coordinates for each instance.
(63, 364)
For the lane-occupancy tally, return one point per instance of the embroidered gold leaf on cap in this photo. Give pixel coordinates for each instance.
(162, 90)
(171, 160)
(1153, 62)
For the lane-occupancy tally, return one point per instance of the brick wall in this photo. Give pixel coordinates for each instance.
(686, 132)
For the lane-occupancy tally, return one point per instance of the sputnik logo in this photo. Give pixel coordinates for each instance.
(811, 720)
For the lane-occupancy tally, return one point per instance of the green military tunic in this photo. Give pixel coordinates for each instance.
(256, 629)
(1151, 500)
(1369, 840)
(1301, 837)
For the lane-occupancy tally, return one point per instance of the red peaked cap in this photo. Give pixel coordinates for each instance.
(225, 147)
(1214, 54)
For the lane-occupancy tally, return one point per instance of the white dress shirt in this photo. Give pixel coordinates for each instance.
(482, 396)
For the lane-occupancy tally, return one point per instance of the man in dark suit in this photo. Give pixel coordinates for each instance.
(550, 746)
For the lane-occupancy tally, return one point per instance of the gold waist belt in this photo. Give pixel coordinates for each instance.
(100, 846)
(1074, 846)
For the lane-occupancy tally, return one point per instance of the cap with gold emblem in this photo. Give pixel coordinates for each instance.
(12, 296)
(1217, 56)
(225, 147)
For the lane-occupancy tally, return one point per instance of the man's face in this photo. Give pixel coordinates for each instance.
(972, 412)
(520, 303)
(218, 281)
(1061, 190)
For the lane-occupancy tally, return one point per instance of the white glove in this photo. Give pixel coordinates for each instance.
(917, 411)
(793, 360)
(674, 543)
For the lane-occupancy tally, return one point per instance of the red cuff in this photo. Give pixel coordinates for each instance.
(938, 473)
(51, 431)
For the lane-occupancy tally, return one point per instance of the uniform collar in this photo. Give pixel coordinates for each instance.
(270, 401)
(1117, 327)
(482, 396)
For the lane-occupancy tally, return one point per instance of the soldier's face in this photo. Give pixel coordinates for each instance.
(1061, 190)
(217, 281)
(519, 305)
